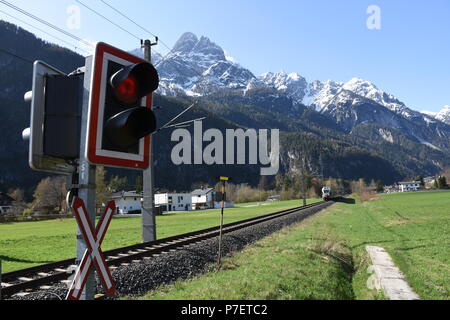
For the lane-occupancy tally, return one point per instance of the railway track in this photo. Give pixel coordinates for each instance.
(43, 276)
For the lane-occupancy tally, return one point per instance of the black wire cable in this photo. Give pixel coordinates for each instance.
(164, 58)
(44, 22)
(129, 19)
(16, 56)
(135, 23)
(144, 29)
(110, 21)
(43, 31)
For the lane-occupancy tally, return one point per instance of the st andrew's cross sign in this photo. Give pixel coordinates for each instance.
(93, 255)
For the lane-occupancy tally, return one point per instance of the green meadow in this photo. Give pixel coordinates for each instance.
(27, 244)
(324, 256)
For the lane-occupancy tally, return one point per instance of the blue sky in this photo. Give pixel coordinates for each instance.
(321, 39)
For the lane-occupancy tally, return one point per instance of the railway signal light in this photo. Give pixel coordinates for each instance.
(55, 120)
(121, 118)
(128, 87)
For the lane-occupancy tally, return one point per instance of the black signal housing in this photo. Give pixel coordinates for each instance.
(126, 121)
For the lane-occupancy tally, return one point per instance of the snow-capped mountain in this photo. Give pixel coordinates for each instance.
(292, 85)
(222, 74)
(352, 129)
(156, 57)
(443, 115)
(359, 102)
(319, 95)
(197, 66)
(368, 90)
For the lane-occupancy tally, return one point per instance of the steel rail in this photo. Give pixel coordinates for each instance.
(34, 277)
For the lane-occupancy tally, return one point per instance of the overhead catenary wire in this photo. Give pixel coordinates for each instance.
(43, 31)
(139, 26)
(43, 21)
(129, 19)
(142, 28)
(159, 62)
(109, 20)
(184, 124)
(179, 115)
(16, 56)
(115, 24)
(135, 23)
(32, 16)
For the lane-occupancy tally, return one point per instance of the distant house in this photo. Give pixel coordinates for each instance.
(127, 202)
(390, 189)
(203, 199)
(174, 201)
(275, 197)
(429, 182)
(409, 186)
(429, 179)
(6, 203)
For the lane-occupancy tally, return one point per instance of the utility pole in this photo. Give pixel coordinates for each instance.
(224, 198)
(148, 205)
(303, 179)
(86, 182)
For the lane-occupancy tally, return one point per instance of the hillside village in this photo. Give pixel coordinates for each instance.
(202, 198)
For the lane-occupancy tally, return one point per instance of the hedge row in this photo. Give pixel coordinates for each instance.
(9, 219)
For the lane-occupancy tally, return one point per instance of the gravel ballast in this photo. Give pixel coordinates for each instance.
(140, 277)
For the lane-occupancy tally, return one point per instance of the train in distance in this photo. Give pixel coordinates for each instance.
(326, 193)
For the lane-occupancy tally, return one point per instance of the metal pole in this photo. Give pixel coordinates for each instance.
(148, 212)
(219, 258)
(303, 181)
(86, 187)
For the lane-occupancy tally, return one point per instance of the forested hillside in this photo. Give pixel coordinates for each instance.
(369, 150)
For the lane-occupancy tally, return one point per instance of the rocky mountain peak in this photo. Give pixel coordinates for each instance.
(208, 48)
(198, 66)
(443, 115)
(186, 43)
(293, 85)
(190, 45)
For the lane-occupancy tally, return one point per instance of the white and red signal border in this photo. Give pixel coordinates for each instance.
(93, 255)
(94, 152)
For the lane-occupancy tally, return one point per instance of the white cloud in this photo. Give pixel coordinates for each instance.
(229, 58)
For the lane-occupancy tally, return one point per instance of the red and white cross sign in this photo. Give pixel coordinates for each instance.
(93, 255)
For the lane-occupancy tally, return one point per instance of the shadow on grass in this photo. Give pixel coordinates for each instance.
(375, 242)
(344, 200)
(167, 214)
(9, 259)
(411, 248)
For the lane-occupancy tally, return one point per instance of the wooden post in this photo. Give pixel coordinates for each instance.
(219, 258)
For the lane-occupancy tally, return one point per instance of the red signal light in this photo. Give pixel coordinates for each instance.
(127, 91)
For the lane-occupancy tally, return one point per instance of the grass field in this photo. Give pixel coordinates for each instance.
(27, 244)
(324, 257)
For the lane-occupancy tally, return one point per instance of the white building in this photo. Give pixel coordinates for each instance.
(128, 202)
(409, 186)
(203, 199)
(6, 203)
(174, 201)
